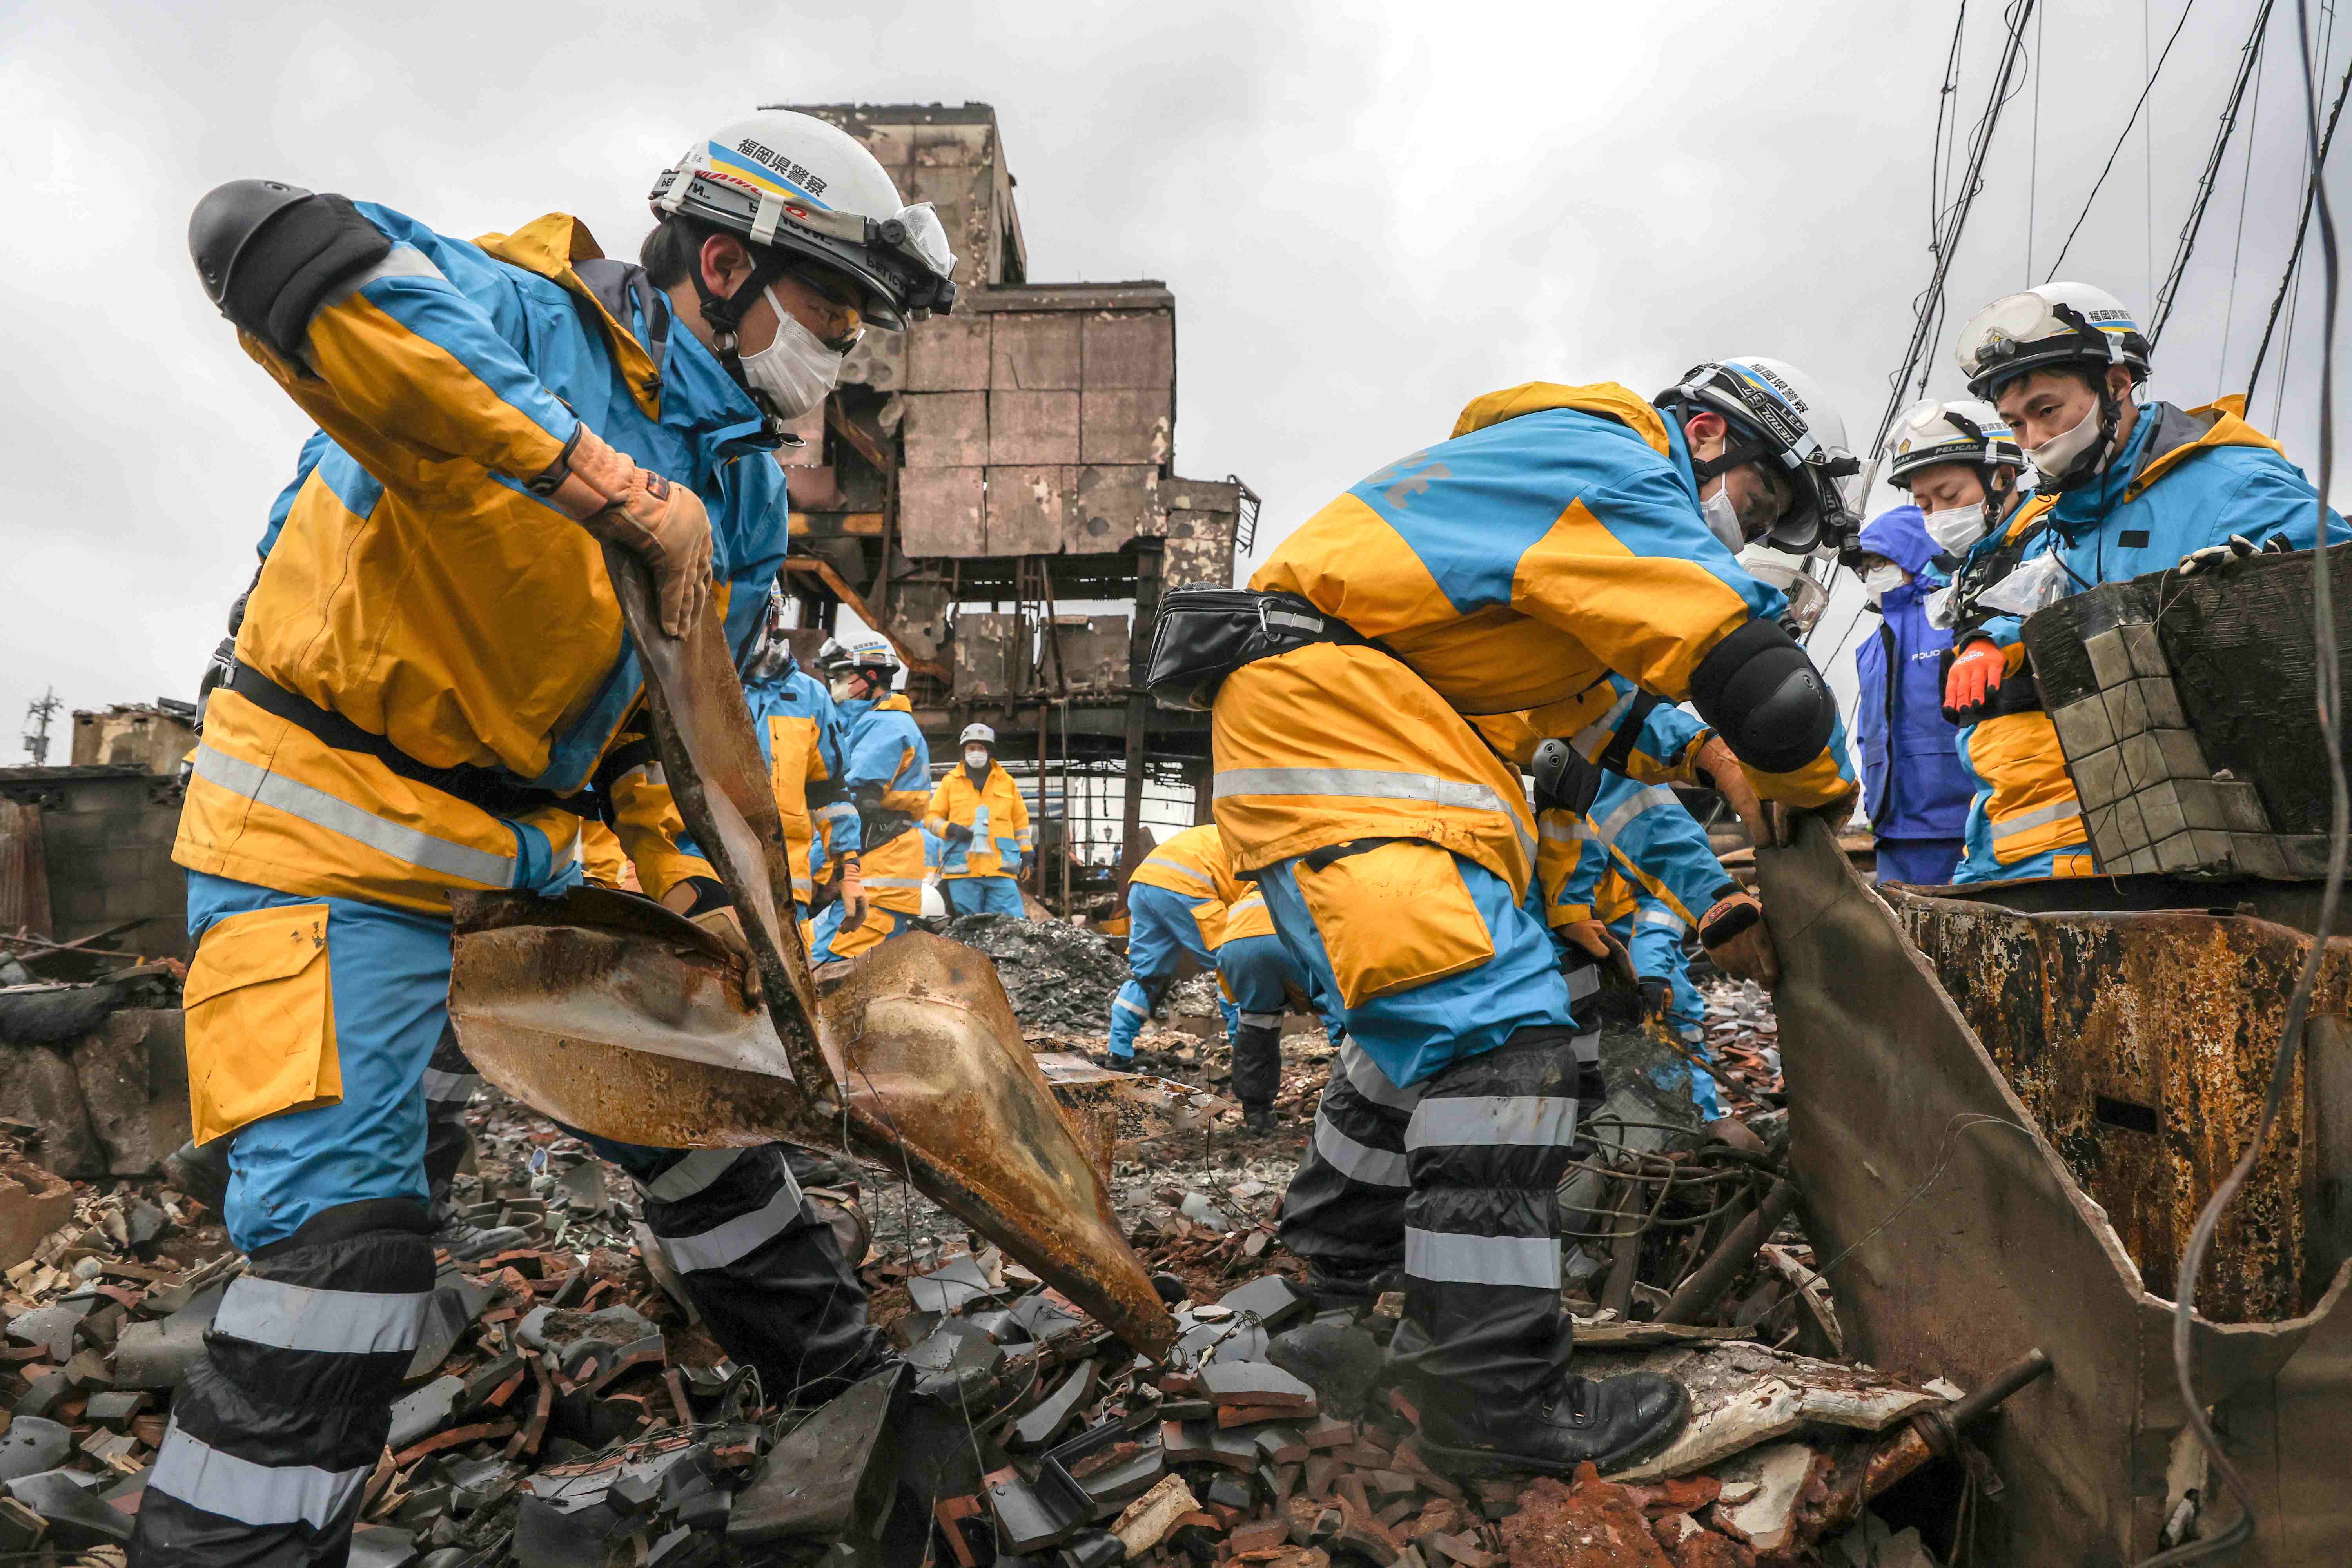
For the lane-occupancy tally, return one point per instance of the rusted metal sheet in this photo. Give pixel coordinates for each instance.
(946, 429)
(613, 1015)
(942, 512)
(24, 872)
(1953, 1234)
(2142, 1043)
(1035, 351)
(1130, 349)
(1026, 508)
(1199, 548)
(1032, 426)
(1094, 651)
(1126, 425)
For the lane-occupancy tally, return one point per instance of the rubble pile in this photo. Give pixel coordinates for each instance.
(1060, 977)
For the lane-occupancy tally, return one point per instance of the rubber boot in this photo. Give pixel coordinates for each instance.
(1257, 1069)
(1609, 1421)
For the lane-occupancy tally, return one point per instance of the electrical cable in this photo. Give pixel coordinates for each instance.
(2303, 227)
(2329, 703)
(2148, 87)
(2238, 243)
(2247, 59)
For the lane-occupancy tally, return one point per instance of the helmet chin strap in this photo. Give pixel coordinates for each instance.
(724, 313)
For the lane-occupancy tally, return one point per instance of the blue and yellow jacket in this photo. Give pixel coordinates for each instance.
(885, 750)
(803, 740)
(1640, 836)
(997, 815)
(416, 589)
(2185, 479)
(1194, 865)
(1554, 542)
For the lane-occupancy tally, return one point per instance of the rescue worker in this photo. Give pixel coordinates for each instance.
(1562, 533)
(1178, 903)
(1965, 470)
(803, 742)
(1914, 789)
(1258, 982)
(983, 828)
(2123, 488)
(1638, 867)
(886, 769)
(431, 667)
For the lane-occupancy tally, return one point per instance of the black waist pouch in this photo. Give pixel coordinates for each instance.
(1203, 634)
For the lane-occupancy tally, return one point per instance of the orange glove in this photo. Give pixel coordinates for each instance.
(1595, 938)
(853, 895)
(1722, 772)
(1976, 675)
(638, 510)
(1733, 934)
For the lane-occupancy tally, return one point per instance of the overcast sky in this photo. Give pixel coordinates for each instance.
(1368, 215)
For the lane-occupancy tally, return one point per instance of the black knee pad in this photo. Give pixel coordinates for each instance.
(1758, 690)
(269, 254)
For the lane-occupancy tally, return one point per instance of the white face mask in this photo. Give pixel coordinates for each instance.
(974, 758)
(1881, 579)
(1723, 518)
(796, 370)
(2055, 455)
(1955, 529)
(846, 689)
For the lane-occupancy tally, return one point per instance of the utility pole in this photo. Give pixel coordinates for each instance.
(36, 738)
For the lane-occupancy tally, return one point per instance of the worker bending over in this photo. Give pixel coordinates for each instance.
(431, 669)
(1914, 789)
(983, 824)
(1562, 534)
(2123, 488)
(886, 771)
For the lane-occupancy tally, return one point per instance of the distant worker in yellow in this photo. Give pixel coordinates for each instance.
(982, 825)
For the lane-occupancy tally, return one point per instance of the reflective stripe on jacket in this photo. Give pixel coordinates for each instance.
(1555, 539)
(1193, 866)
(1636, 832)
(414, 588)
(998, 819)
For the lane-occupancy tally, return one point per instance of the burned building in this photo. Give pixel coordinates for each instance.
(995, 489)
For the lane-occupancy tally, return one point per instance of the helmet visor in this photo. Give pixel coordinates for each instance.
(926, 237)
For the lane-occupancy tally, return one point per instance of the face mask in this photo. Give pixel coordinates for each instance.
(974, 758)
(2058, 454)
(846, 689)
(1723, 520)
(796, 370)
(1956, 528)
(1882, 580)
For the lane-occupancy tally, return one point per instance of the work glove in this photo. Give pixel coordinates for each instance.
(1720, 770)
(957, 833)
(2236, 547)
(662, 523)
(853, 895)
(1977, 672)
(1597, 939)
(703, 900)
(1732, 931)
(1656, 994)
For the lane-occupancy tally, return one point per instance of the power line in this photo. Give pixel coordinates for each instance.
(2238, 244)
(2248, 59)
(2142, 103)
(1928, 308)
(2301, 228)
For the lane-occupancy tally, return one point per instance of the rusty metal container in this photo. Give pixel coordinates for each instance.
(2007, 1106)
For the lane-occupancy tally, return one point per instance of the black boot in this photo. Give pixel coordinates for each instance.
(1609, 1421)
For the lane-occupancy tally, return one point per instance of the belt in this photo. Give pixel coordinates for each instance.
(489, 789)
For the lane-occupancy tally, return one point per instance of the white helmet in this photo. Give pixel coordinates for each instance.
(1778, 415)
(865, 652)
(1960, 430)
(977, 733)
(807, 192)
(2058, 323)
